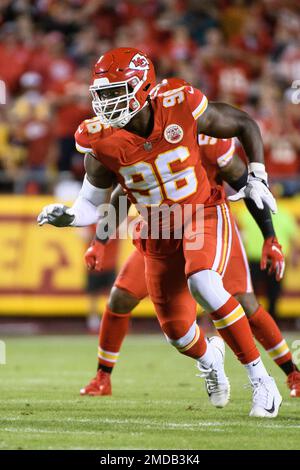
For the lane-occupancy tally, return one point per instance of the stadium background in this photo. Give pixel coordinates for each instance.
(244, 52)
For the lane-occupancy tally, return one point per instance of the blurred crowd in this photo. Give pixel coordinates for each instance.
(243, 52)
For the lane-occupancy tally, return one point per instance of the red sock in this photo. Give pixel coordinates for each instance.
(232, 324)
(266, 331)
(197, 347)
(113, 330)
(189, 341)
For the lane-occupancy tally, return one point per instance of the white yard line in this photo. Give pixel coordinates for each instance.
(143, 422)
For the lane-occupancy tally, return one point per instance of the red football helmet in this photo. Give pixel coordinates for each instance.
(122, 81)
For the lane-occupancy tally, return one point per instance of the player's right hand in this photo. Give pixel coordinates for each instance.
(56, 214)
(94, 256)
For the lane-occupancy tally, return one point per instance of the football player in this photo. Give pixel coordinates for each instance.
(130, 285)
(151, 144)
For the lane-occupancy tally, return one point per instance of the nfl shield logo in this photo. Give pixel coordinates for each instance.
(148, 146)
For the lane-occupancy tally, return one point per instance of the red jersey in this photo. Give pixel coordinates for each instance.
(164, 167)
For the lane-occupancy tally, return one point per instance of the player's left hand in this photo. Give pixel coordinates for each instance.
(57, 215)
(272, 255)
(257, 190)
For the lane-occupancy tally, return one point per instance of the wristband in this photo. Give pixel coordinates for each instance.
(258, 170)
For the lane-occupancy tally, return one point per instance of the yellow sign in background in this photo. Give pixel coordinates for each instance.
(42, 270)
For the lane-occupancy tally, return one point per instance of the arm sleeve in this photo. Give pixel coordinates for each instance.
(87, 204)
(262, 217)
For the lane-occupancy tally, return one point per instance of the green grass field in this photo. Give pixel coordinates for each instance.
(157, 402)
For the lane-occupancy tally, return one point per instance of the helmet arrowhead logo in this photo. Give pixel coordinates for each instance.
(139, 62)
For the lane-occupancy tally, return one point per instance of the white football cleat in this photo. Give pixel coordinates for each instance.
(216, 382)
(266, 398)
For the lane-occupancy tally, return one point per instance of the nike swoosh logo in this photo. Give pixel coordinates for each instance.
(274, 248)
(272, 409)
(253, 365)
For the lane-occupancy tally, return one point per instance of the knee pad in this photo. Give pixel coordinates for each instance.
(207, 289)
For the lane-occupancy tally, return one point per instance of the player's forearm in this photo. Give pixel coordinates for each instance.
(262, 217)
(95, 192)
(235, 173)
(251, 140)
(86, 206)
